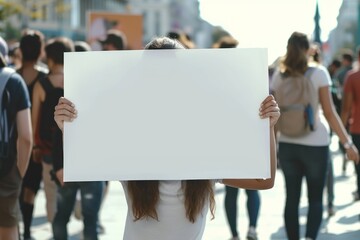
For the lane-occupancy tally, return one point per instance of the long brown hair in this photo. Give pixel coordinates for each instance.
(296, 61)
(145, 194)
(145, 197)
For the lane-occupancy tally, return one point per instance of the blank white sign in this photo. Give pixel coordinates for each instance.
(166, 115)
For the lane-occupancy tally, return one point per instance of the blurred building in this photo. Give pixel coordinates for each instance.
(61, 17)
(68, 17)
(345, 34)
(162, 16)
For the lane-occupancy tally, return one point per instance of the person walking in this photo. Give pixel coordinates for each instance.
(31, 46)
(347, 59)
(231, 210)
(351, 110)
(115, 40)
(17, 107)
(316, 59)
(90, 192)
(46, 92)
(231, 194)
(307, 155)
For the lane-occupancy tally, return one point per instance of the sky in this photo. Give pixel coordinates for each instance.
(269, 23)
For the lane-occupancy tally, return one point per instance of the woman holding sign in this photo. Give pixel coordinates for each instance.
(175, 209)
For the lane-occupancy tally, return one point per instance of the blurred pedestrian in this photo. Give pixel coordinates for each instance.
(183, 38)
(81, 46)
(46, 92)
(91, 192)
(175, 209)
(316, 59)
(226, 42)
(338, 82)
(253, 207)
(347, 59)
(315, 53)
(31, 47)
(231, 194)
(17, 106)
(351, 110)
(307, 156)
(15, 56)
(333, 68)
(115, 40)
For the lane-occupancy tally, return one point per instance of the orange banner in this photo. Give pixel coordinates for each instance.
(99, 22)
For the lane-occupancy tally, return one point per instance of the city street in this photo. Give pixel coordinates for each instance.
(146, 113)
(345, 225)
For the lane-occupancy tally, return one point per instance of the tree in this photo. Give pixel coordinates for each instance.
(7, 10)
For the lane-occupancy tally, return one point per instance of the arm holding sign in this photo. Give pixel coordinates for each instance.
(65, 112)
(269, 109)
(146, 221)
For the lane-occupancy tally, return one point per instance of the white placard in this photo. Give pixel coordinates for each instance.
(166, 115)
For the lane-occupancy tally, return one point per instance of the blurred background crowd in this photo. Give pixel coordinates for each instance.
(36, 33)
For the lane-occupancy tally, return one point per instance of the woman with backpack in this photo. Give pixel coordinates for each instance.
(306, 154)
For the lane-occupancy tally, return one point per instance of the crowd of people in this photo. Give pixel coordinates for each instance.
(36, 87)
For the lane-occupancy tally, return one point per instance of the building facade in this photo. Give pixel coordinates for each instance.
(345, 33)
(69, 17)
(162, 16)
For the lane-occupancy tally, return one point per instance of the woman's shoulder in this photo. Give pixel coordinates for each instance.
(320, 75)
(319, 68)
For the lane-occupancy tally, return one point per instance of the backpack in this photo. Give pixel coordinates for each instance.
(6, 130)
(297, 99)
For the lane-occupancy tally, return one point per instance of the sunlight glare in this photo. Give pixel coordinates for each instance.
(268, 23)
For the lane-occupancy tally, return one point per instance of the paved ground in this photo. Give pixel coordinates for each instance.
(345, 225)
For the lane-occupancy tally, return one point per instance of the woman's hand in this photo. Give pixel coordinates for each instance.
(270, 109)
(64, 111)
(352, 153)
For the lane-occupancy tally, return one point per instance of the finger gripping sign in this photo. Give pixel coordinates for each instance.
(166, 115)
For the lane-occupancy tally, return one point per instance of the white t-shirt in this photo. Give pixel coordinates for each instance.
(172, 223)
(320, 137)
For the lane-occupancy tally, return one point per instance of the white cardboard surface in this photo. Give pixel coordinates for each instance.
(166, 115)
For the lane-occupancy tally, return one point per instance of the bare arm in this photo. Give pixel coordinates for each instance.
(335, 123)
(24, 143)
(269, 109)
(37, 98)
(64, 112)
